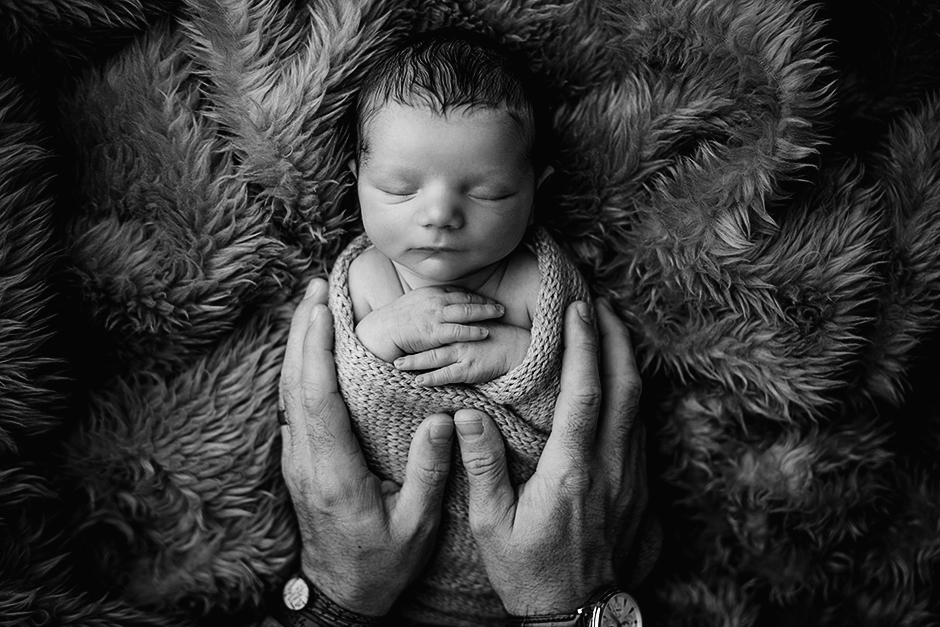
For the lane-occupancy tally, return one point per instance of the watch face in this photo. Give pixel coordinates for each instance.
(296, 594)
(621, 611)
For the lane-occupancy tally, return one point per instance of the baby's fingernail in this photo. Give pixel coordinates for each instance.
(399, 362)
(482, 332)
(500, 309)
(420, 379)
(442, 432)
(469, 428)
(317, 310)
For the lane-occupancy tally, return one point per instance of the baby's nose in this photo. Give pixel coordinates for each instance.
(442, 211)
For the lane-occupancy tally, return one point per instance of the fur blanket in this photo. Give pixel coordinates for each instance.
(754, 184)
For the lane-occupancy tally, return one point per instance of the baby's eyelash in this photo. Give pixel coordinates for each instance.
(493, 198)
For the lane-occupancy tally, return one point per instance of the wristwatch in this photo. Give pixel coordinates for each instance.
(608, 607)
(611, 607)
(302, 604)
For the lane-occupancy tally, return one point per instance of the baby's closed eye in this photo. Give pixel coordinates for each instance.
(491, 196)
(397, 191)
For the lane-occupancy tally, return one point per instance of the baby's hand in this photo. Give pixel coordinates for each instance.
(470, 362)
(426, 318)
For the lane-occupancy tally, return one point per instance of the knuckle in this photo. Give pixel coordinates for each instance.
(314, 403)
(576, 481)
(433, 473)
(460, 371)
(483, 465)
(327, 497)
(588, 397)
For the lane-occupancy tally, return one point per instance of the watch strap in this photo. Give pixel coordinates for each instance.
(546, 620)
(318, 611)
(582, 617)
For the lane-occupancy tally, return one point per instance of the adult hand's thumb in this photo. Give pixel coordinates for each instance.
(492, 500)
(428, 465)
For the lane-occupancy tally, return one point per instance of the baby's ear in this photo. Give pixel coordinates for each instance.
(547, 172)
(353, 167)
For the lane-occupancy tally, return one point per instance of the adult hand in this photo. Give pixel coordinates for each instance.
(364, 539)
(548, 545)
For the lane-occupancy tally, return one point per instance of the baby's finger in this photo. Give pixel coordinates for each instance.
(454, 373)
(458, 296)
(472, 312)
(434, 358)
(448, 333)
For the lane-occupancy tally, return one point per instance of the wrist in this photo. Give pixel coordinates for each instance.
(303, 604)
(365, 600)
(376, 340)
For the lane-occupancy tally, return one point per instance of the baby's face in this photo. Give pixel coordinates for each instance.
(445, 197)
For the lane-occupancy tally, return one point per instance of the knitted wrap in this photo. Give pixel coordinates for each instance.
(386, 406)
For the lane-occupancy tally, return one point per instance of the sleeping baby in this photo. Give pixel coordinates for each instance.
(451, 298)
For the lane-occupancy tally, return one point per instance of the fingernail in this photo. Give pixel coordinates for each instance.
(584, 311)
(312, 288)
(500, 309)
(442, 432)
(469, 428)
(399, 362)
(317, 310)
(420, 379)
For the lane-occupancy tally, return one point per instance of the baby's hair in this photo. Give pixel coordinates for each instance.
(446, 69)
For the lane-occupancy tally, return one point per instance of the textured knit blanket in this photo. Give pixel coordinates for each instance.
(387, 406)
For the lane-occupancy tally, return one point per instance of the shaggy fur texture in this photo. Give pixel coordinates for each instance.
(780, 275)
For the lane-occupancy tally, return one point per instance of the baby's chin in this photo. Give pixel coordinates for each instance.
(439, 272)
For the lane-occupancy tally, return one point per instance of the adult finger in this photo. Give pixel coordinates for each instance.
(635, 476)
(492, 499)
(334, 449)
(426, 472)
(291, 371)
(291, 367)
(579, 399)
(622, 387)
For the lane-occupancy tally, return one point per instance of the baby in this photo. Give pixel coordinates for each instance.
(449, 299)
(446, 175)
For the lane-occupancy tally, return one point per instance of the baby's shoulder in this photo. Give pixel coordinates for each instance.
(373, 282)
(522, 280)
